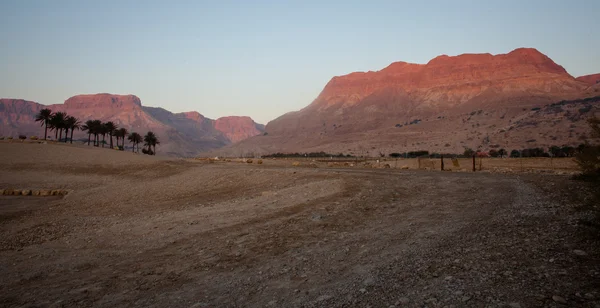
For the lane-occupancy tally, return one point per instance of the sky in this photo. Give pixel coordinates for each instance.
(263, 58)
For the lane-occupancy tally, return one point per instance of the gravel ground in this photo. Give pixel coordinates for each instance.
(144, 231)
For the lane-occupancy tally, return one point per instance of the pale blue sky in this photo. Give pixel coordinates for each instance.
(263, 58)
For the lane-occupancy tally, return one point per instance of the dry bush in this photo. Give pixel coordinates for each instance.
(33, 138)
(589, 158)
(259, 161)
(249, 161)
(296, 164)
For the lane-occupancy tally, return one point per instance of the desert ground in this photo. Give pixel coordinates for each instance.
(142, 231)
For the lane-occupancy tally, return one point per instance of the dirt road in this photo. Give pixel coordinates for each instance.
(141, 231)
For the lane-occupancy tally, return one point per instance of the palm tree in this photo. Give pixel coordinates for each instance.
(102, 130)
(96, 130)
(44, 116)
(110, 128)
(121, 133)
(135, 138)
(72, 123)
(89, 127)
(57, 122)
(151, 140)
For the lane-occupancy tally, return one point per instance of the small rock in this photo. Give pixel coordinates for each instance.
(465, 299)
(514, 305)
(559, 299)
(403, 301)
(368, 282)
(579, 252)
(458, 293)
(363, 290)
(323, 298)
(589, 295)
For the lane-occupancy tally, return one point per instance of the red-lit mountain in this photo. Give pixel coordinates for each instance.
(181, 134)
(470, 100)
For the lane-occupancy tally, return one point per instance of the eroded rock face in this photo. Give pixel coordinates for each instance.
(103, 101)
(16, 113)
(237, 128)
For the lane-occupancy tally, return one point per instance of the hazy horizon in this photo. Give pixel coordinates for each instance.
(263, 59)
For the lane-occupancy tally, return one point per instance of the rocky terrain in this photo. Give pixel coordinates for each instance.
(144, 231)
(181, 134)
(470, 100)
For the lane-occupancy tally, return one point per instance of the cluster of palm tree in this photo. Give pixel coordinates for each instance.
(60, 121)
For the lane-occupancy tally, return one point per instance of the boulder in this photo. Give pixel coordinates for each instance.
(25, 192)
(45, 192)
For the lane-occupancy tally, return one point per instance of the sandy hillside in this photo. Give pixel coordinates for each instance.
(149, 232)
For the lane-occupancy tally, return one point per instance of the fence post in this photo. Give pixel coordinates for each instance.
(474, 163)
(442, 162)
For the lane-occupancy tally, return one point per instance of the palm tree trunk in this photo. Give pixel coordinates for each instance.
(103, 140)
(154, 153)
(111, 144)
(72, 135)
(132, 147)
(56, 134)
(46, 131)
(60, 135)
(89, 138)
(66, 135)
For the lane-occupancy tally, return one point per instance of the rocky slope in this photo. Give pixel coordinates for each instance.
(181, 134)
(470, 100)
(590, 79)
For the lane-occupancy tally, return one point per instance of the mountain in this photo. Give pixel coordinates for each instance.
(590, 79)
(181, 134)
(452, 102)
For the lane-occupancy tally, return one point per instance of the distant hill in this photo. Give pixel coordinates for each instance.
(181, 134)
